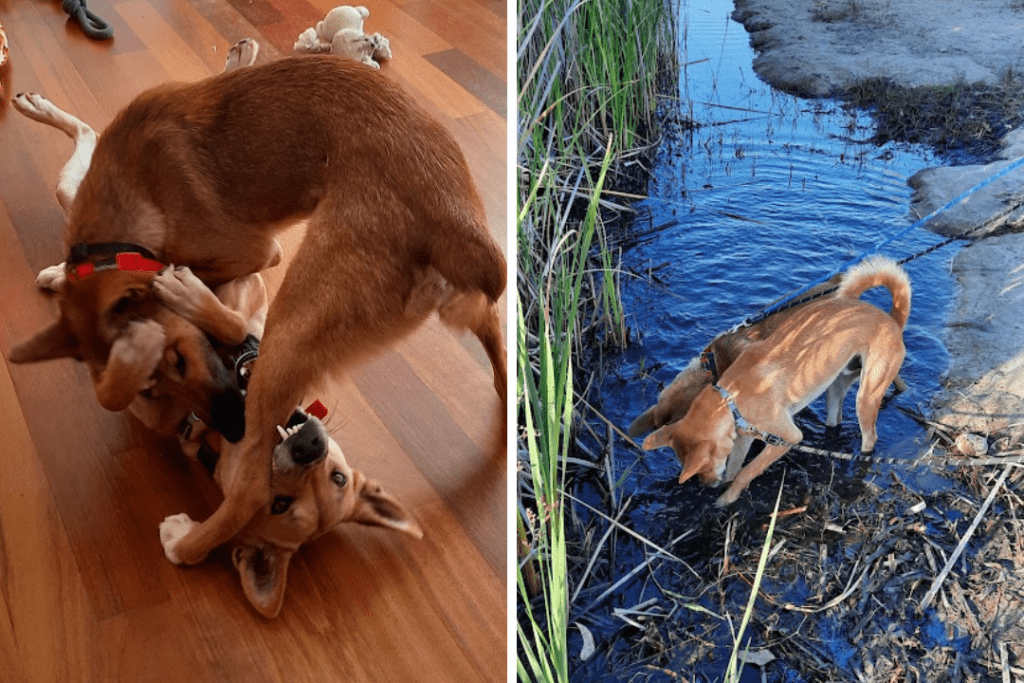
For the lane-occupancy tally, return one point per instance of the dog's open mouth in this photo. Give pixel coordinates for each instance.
(294, 424)
(303, 438)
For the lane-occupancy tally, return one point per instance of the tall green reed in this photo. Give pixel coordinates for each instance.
(588, 76)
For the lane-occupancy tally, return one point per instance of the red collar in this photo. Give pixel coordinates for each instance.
(131, 261)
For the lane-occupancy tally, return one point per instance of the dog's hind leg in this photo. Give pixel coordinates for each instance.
(835, 394)
(875, 379)
(474, 312)
(40, 109)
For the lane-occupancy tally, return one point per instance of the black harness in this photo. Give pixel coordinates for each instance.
(237, 357)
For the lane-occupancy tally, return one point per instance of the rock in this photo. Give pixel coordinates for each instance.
(971, 444)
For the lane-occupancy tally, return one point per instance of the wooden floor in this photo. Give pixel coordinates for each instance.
(85, 592)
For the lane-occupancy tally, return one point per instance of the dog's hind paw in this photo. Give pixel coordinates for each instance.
(172, 530)
(242, 54)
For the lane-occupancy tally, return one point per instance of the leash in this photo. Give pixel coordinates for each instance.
(787, 301)
(1015, 458)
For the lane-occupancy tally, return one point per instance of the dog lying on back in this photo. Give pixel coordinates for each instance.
(820, 347)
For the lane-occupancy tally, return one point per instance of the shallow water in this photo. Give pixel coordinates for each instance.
(768, 194)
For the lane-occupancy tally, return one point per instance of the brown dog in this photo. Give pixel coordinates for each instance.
(205, 174)
(675, 399)
(816, 348)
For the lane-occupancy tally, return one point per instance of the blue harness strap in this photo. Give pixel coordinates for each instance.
(744, 425)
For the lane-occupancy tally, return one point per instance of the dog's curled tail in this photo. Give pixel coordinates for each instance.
(879, 271)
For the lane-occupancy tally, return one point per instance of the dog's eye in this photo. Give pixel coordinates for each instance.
(339, 478)
(122, 305)
(180, 365)
(125, 303)
(281, 505)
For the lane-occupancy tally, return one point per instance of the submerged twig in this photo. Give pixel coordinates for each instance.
(937, 584)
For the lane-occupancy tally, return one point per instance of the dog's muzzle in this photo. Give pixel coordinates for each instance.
(304, 442)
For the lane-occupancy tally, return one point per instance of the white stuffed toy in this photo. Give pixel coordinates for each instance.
(341, 33)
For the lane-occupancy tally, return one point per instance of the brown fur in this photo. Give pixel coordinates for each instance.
(205, 174)
(772, 379)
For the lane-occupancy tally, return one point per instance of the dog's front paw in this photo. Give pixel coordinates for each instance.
(172, 530)
(35, 107)
(180, 290)
(727, 498)
(51, 279)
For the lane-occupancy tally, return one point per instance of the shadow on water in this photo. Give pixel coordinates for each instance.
(766, 193)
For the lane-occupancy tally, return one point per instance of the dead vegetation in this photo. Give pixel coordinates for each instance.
(867, 579)
(961, 119)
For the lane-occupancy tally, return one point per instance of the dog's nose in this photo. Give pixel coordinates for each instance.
(308, 445)
(227, 412)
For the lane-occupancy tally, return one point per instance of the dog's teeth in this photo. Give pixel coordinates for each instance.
(282, 432)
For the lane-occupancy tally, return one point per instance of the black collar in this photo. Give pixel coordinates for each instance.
(708, 364)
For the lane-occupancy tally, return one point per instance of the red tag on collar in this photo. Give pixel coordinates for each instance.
(317, 410)
(134, 261)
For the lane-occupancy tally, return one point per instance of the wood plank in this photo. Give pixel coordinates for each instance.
(479, 35)
(472, 78)
(47, 610)
(174, 54)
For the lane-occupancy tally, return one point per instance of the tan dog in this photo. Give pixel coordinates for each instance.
(205, 174)
(675, 399)
(814, 349)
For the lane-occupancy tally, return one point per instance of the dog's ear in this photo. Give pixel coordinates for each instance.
(376, 507)
(660, 438)
(54, 341)
(696, 459)
(264, 573)
(133, 359)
